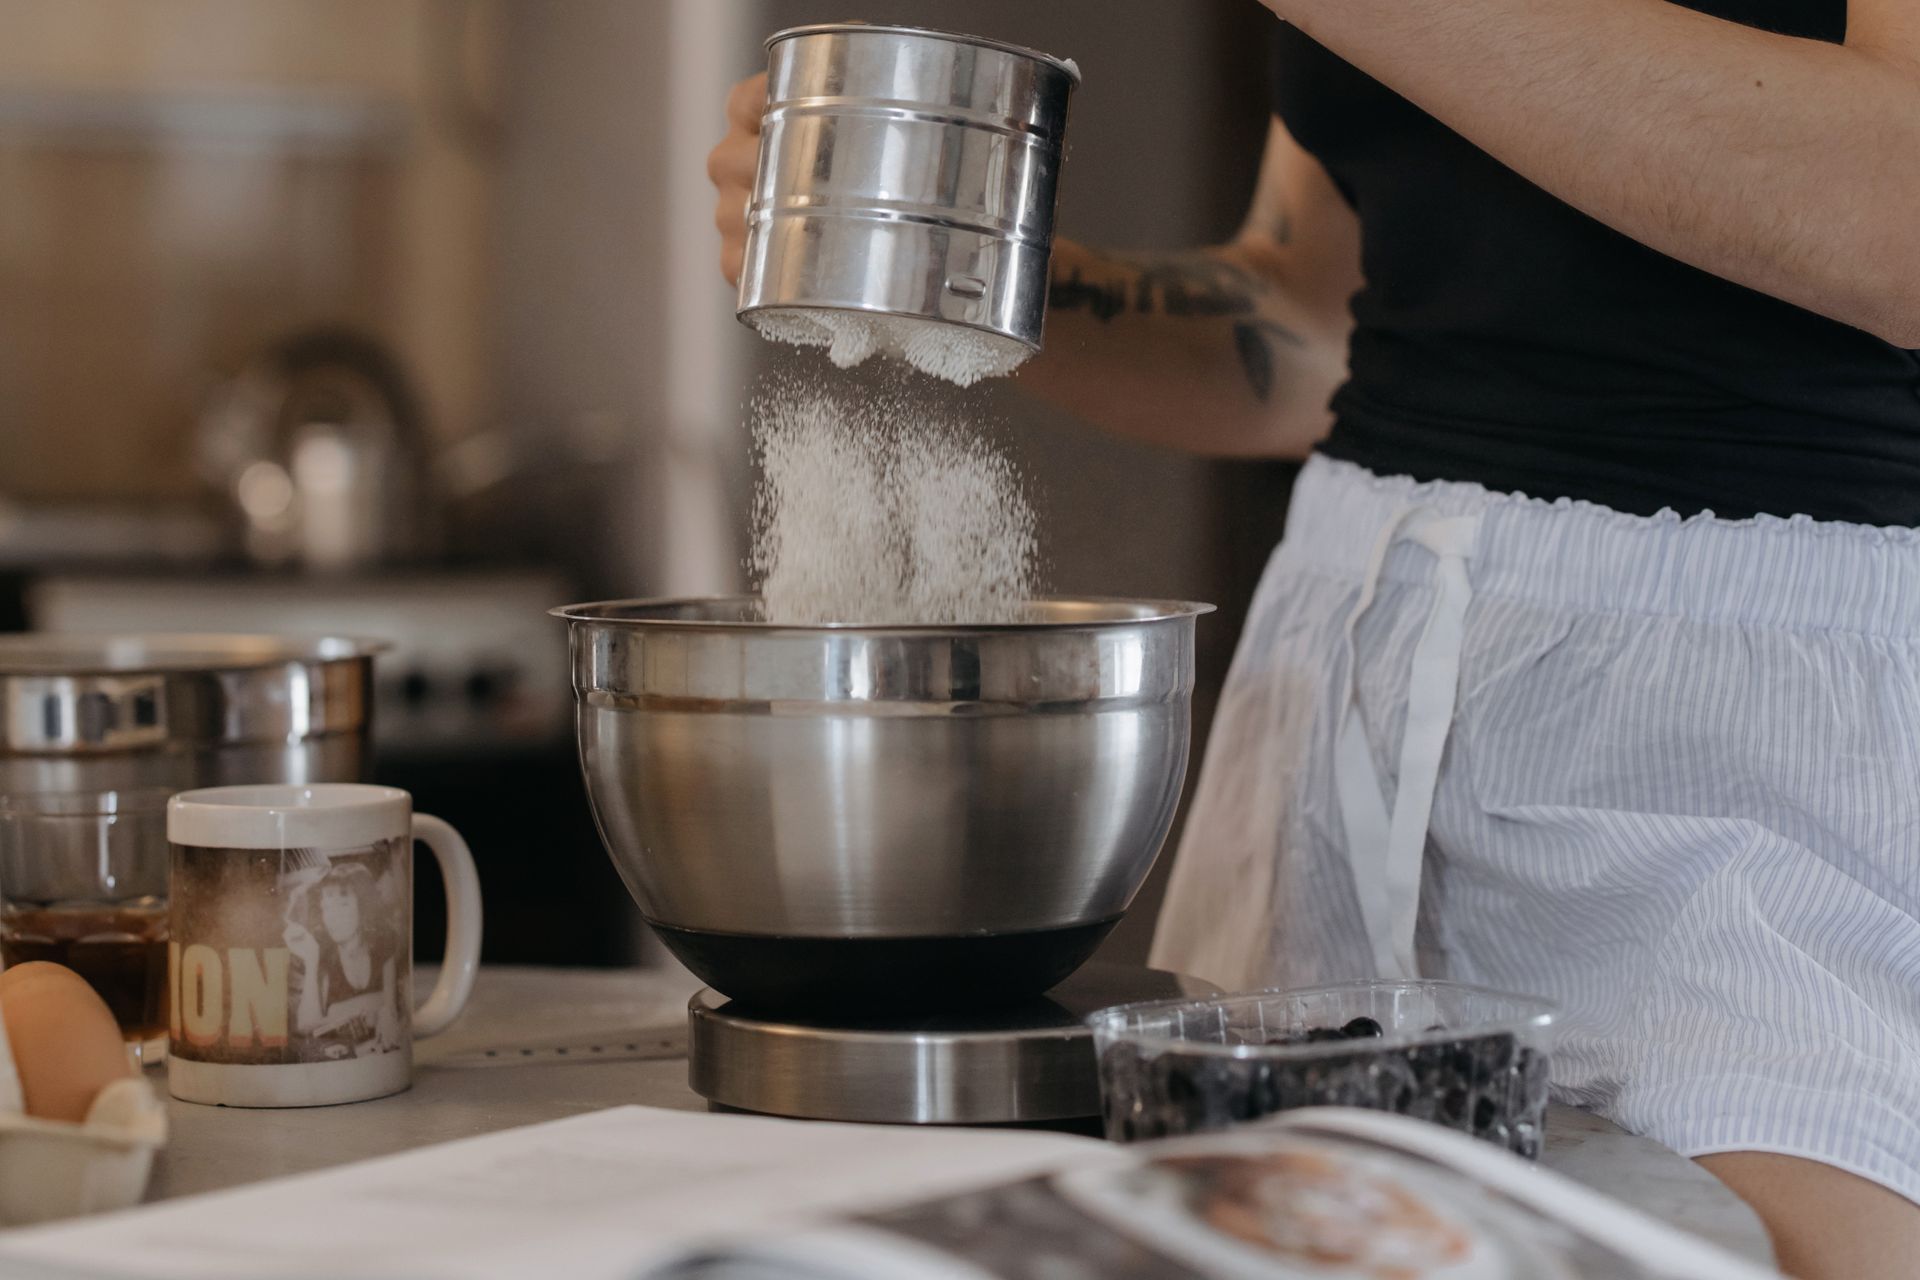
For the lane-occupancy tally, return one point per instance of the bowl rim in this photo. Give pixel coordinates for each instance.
(605, 613)
(1542, 1014)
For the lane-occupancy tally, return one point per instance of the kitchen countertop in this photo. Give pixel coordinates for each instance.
(565, 1041)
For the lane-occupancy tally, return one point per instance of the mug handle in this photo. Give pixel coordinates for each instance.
(462, 960)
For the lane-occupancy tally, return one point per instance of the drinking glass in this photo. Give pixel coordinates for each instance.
(83, 883)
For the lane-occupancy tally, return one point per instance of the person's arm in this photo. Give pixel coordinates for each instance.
(1787, 165)
(1233, 350)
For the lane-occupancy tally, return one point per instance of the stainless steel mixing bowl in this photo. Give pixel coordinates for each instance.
(874, 816)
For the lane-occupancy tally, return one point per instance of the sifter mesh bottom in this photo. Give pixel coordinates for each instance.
(959, 354)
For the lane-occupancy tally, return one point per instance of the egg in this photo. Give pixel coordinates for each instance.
(66, 1045)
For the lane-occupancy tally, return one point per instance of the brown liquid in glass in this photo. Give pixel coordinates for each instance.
(120, 950)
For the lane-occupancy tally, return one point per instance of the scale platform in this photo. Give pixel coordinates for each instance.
(1027, 1064)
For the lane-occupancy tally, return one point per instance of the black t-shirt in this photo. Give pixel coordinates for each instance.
(1504, 337)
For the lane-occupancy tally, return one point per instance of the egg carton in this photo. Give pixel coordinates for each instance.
(56, 1168)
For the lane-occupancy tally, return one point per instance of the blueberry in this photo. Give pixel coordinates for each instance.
(1428, 1062)
(1176, 1083)
(1352, 1082)
(1265, 1090)
(1498, 1052)
(1484, 1114)
(1360, 1029)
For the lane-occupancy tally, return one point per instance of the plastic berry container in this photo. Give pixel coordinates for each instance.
(1464, 1057)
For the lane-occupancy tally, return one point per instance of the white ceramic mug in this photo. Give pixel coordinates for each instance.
(289, 970)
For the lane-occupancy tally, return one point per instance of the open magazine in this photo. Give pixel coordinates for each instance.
(1313, 1195)
(635, 1193)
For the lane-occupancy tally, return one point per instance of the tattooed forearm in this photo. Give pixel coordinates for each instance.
(1186, 286)
(1193, 285)
(1105, 301)
(1196, 285)
(1254, 341)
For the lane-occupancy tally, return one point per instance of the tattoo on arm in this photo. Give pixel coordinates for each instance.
(1185, 285)
(1198, 285)
(1188, 286)
(1254, 340)
(1105, 301)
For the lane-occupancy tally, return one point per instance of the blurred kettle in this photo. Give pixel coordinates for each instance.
(321, 447)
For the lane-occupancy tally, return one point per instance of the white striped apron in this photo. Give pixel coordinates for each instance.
(1663, 771)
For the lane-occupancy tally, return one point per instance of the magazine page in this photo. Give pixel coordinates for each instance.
(667, 1195)
(1294, 1201)
(598, 1195)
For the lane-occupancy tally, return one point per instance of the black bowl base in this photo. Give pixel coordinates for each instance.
(871, 976)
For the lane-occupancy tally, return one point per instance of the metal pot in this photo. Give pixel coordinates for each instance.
(106, 713)
(907, 171)
(879, 816)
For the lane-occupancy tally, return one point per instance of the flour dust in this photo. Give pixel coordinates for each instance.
(877, 508)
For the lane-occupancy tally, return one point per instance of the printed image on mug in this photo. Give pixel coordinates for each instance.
(289, 975)
(291, 956)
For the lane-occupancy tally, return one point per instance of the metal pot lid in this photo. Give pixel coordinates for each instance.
(83, 654)
(90, 697)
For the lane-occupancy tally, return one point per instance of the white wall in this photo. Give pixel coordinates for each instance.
(612, 316)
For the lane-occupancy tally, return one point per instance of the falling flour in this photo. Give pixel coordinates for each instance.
(876, 511)
(954, 352)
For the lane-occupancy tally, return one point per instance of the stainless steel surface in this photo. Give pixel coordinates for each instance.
(1027, 1064)
(468, 665)
(85, 713)
(882, 782)
(907, 171)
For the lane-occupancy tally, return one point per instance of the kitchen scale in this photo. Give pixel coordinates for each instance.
(1029, 1064)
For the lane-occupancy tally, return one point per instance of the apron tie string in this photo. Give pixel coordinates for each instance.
(1387, 851)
